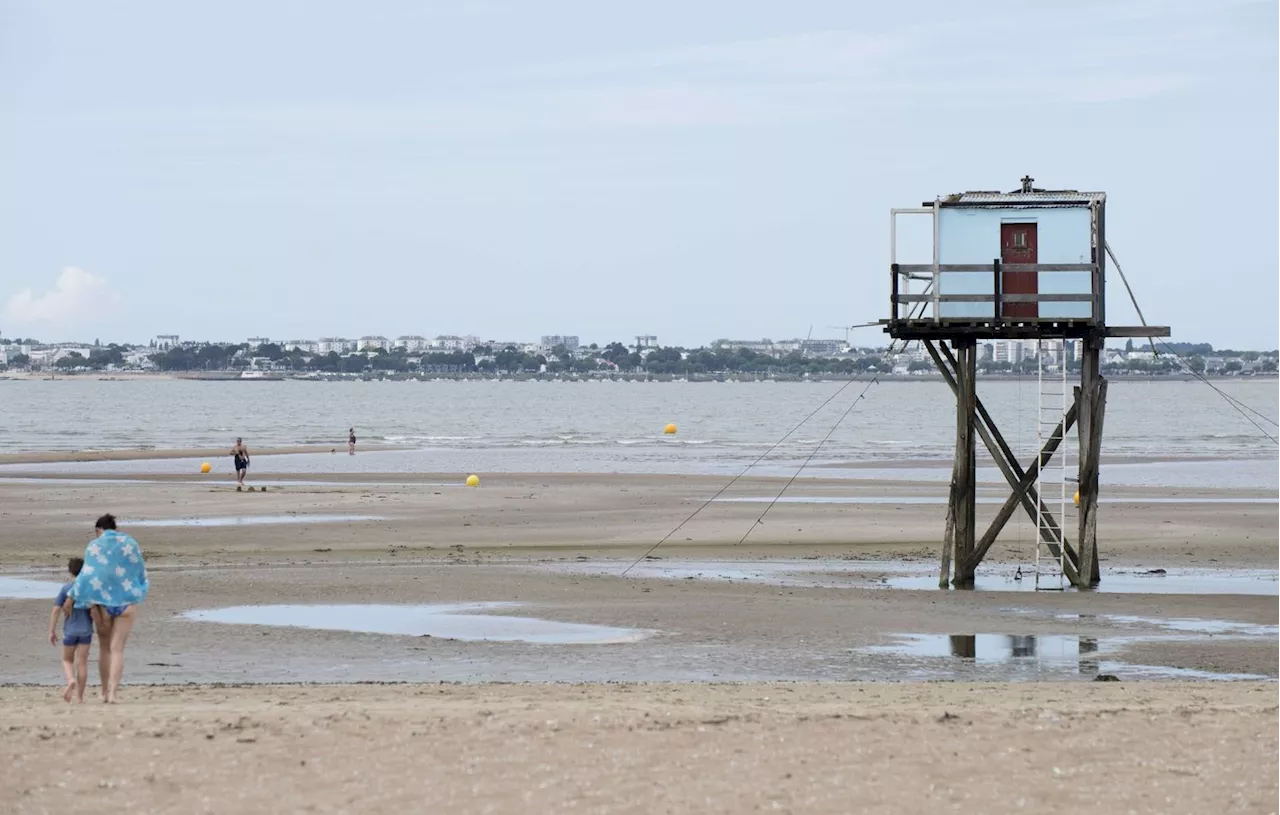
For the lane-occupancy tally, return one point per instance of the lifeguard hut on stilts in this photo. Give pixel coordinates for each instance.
(1023, 265)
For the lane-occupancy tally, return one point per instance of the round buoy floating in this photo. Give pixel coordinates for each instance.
(473, 480)
(206, 467)
(670, 430)
(1076, 498)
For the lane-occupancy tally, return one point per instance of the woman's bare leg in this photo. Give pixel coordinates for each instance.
(120, 628)
(102, 624)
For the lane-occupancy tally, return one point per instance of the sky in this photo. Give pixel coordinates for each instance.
(510, 169)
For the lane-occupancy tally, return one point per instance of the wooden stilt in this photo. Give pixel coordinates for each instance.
(1093, 401)
(965, 493)
(948, 541)
(1003, 456)
(1028, 482)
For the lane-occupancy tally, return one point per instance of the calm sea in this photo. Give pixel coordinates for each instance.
(609, 426)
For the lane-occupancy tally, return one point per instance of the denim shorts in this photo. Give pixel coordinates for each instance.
(72, 640)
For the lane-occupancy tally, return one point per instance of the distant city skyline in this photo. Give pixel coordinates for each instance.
(450, 342)
(688, 170)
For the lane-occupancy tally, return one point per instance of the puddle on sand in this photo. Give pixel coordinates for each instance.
(253, 520)
(942, 500)
(1013, 657)
(901, 574)
(213, 482)
(1172, 581)
(465, 622)
(1211, 628)
(21, 588)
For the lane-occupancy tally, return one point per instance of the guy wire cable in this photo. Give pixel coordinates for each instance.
(735, 479)
(830, 432)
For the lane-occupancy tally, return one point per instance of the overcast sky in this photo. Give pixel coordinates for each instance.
(688, 169)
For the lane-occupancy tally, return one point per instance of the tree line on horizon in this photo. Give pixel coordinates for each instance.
(611, 357)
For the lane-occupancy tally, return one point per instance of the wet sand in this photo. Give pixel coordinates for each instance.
(683, 747)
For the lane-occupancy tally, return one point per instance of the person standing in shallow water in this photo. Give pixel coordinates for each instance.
(240, 456)
(111, 584)
(351, 442)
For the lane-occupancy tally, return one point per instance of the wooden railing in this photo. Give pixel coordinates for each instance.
(930, 272)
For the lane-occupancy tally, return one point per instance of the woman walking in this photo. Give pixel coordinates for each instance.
(111, 584)
(351, 442)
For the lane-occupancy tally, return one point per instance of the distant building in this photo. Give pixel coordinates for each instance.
(570, 342)
(165, 342)
(411, 343)
(821, 348)
(140, 358)
(764, 346)
(452, 342)
(644, 341)
(258, 342)
(335, 345)
(305, 346)
(1012, 351)
(782, 348)
(502, 346)
(373, 343)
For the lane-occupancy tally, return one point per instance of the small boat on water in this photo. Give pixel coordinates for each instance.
(261, 376)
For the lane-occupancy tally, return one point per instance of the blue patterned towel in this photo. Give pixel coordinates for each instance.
(113, 573)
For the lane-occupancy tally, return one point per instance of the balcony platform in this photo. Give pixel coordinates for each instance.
(1013, 329)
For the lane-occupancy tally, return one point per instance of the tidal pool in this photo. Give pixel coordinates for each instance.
(468, 622)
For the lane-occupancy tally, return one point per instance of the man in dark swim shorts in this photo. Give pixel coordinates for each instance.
(240, 454)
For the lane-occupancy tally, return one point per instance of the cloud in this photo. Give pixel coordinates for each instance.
(76, 296)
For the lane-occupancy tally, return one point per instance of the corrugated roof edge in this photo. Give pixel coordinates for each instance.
(1037, 198)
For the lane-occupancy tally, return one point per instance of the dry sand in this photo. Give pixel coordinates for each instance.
(685, 747)
(798, 748)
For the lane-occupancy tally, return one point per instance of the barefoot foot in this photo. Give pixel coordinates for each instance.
(66, 694)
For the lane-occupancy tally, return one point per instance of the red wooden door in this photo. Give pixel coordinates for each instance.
(1018, 245)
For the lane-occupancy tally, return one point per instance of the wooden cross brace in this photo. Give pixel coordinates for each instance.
(1022, 481)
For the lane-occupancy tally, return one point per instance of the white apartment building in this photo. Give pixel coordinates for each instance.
(1012, 351)
(305, 346)
(165, 342)
(822, 348)
(644, 341)
(254, 342)
(452, 342)
(764, 346)
(411, 343)
(373, 343)
(335, 345)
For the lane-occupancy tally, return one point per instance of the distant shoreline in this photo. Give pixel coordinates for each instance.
(126, 454)
(134, 454)
(231, 376)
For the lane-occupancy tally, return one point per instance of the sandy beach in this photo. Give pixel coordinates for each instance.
(812, 748)
(798, 617)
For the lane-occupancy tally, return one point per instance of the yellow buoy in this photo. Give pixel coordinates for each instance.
(206, 467)
(1076, 498)
(473, 480)
(670, 430)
